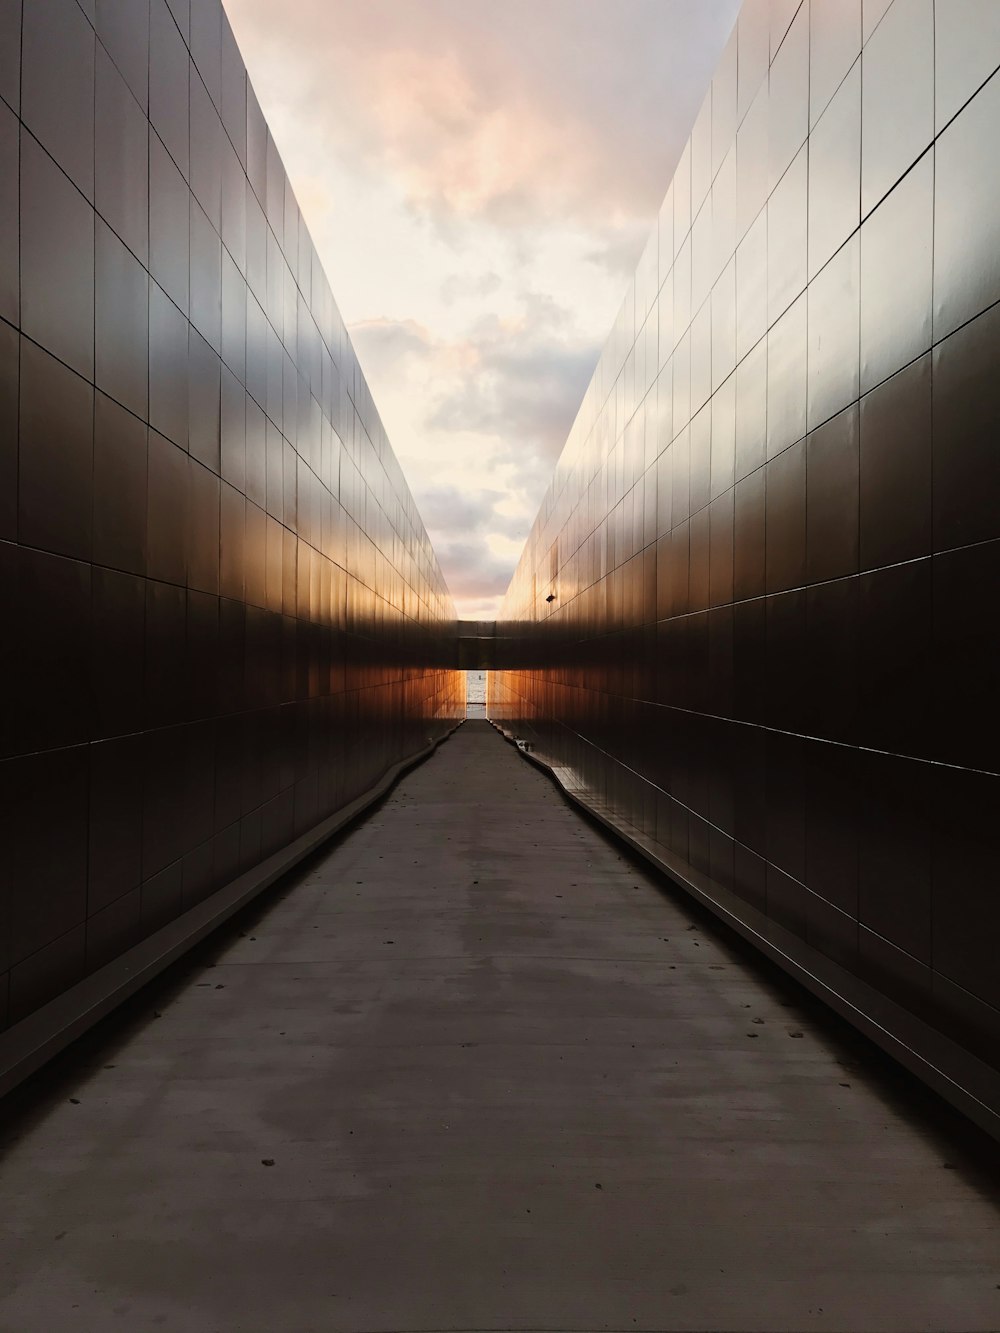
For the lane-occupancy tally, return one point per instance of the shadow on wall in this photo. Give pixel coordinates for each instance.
(222, 612)
(770, 655)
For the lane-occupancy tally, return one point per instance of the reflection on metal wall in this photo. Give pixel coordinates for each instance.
(220, 605)
(773, 538)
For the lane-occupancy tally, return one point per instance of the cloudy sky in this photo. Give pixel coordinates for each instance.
(479, 177)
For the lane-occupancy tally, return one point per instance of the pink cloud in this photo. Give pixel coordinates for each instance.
(535, 138)
(568, 109)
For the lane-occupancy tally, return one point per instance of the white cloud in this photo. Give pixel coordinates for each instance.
(478, 423)
(479, 179)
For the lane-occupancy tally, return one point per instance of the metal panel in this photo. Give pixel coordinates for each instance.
(190, 683)
(820, 742)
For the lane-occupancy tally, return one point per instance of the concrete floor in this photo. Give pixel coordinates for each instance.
(474, 1070)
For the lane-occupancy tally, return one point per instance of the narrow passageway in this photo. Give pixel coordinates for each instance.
(472, 1069)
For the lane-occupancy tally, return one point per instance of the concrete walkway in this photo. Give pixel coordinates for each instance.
(474, 1070)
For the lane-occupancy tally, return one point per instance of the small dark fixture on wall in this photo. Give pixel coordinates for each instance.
(551, 597)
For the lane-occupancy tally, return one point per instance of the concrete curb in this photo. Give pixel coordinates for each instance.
(27, 1045)
(954, 1073)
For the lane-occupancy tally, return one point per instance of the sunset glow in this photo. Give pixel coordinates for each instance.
(479, 182)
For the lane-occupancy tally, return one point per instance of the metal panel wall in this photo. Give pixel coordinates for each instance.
(773, 537)
(219, 604)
